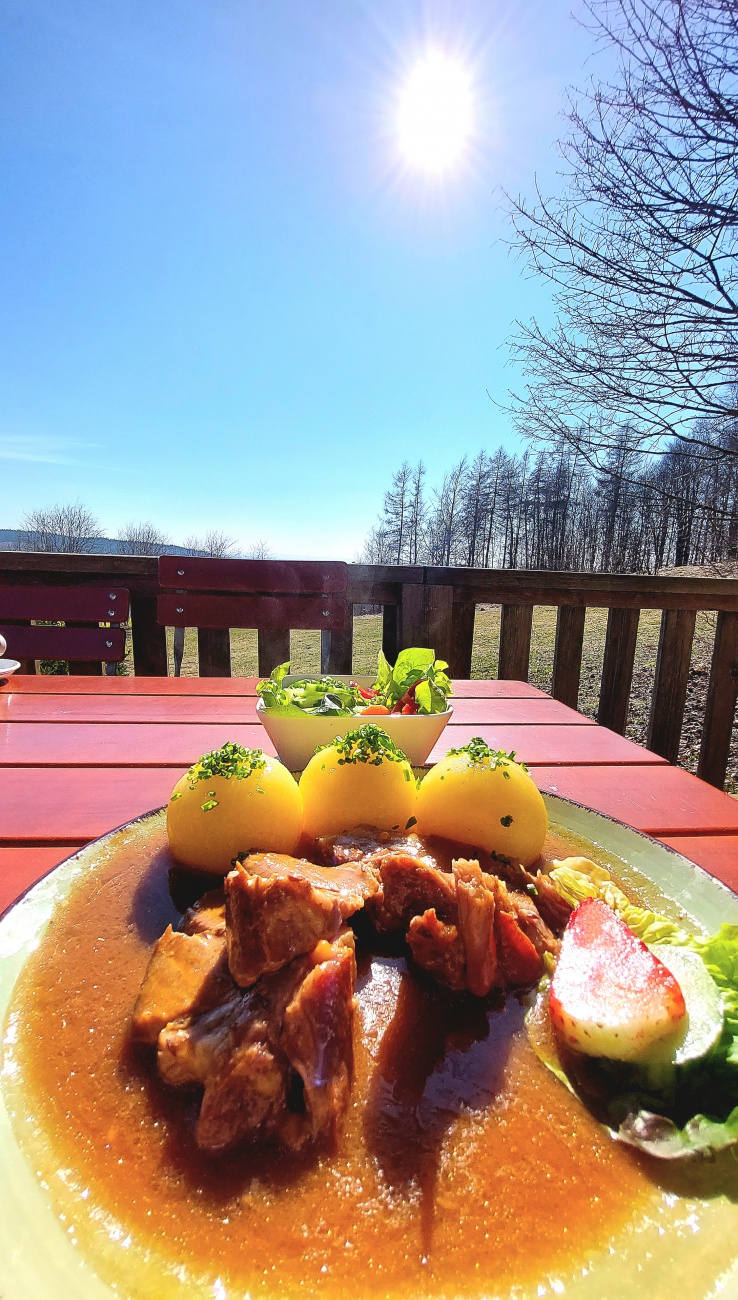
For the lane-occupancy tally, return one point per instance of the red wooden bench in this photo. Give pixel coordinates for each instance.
(27, 612)
(214, 595)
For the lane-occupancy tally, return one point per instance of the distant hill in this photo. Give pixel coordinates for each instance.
(99, 545)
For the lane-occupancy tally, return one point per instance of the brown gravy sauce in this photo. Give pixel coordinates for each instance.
(464, 1165)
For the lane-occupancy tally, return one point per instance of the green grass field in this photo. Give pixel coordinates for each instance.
(305, 657)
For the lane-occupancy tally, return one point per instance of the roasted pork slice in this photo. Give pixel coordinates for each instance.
(279, 907)
(530, 921)
(367, 843)
(194, 1049)
(553, 908)
(408, 887)
(476, 903)
(438, 950)
(206, 916)
(294, 1024)
(186, 974)
(318, 1040)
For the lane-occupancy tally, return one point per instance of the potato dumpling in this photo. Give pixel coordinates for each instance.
(231, 801)
(362, 779)
(482, 798)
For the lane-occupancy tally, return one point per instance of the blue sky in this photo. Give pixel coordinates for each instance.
(226, 300)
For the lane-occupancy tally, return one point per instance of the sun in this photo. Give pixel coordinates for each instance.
(435, 114)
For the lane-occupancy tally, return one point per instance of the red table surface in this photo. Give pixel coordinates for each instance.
(81, 755)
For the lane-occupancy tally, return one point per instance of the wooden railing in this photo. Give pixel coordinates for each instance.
(436, 607)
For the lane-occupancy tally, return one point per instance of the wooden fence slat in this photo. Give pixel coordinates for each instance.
(463, 614)
(289, 577)
(567, 668)
(413, 616)
(214, 651)
(337, 651)
(81, 643)
(149, 639)
(516, 623)
(274, 648)
(186, 610)
(617, 668)
(670, 685)
(64, 604)
(390, 631)
(721, 699)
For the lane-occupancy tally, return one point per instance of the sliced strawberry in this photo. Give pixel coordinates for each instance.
(609, 995)
(520, 961)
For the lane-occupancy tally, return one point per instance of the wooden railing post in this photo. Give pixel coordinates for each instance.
(274, 648)
(214, 651)
(617, 668)
(721, 698)
(567, 669)
(337, 651)
(149, 639)
(670, 685)
(390, 631)
(426, 618)
(516, 623)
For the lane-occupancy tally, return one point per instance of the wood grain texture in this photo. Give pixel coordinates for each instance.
(516, 623)
(295, 577)
(148, 638)
(20, 868)
(106, 644)
(214, 652)
(147, 744)
(670, 685)
(52, 805)
(60, 604)
(720, 705)
(69, 708)
(659, 799)
(567, 668)
(22, 685)
(617, 668)
(337, 651)
(303, 612)
(273, 648)
(463, 615)
(716, 854)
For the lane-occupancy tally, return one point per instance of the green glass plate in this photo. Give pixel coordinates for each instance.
(685, 1240)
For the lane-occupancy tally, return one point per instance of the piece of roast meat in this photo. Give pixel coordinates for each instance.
(480, 943)
(476, 903)
(438, 950)
(294, 1023)
(186, 974)
(318, 1040)
(368, 844)
(206, 916)
(553, 908)
(279, 907)
(408, 887)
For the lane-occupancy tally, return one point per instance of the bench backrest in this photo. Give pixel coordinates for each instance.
(80, 609)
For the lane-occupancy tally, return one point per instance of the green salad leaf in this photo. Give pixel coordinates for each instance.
(416, 674)
(418, 680)
(686, 1111)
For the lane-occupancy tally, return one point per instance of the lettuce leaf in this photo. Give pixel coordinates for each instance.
(693, 1111)
(416, 667)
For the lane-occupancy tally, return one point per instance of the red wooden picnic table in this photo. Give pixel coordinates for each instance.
(81, 755)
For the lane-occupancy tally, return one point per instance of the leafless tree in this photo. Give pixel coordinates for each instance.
(142, 539)
(70, 529)
(214, 544)
(641, 248)
(259, 551)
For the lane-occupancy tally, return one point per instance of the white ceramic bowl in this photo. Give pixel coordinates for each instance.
(296, 739)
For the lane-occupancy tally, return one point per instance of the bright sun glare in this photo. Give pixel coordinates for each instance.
(435, 113)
